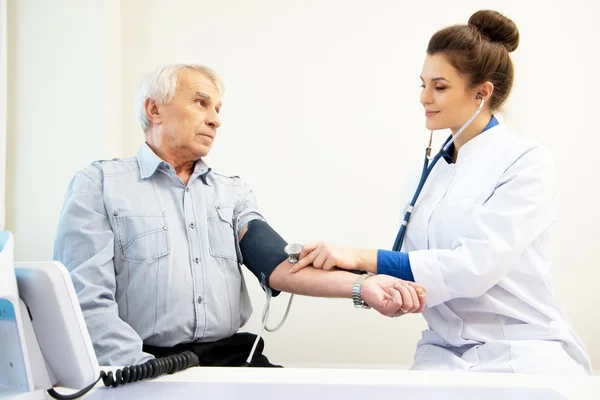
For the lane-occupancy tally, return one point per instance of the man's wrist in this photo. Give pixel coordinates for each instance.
(357, 297)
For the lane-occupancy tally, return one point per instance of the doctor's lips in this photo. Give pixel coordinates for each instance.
(429, 113)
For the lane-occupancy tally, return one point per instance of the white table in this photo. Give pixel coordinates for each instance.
(348, 384)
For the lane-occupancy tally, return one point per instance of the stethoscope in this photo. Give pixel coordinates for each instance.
(293, 250)
(427, 170)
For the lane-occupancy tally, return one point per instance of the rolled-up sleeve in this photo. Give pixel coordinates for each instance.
(520, 209)
(85, 245)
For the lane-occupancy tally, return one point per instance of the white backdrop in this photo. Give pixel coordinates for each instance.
(3, 55)
(321, 117)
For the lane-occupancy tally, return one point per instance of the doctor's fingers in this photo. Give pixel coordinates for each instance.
(305, 261)
(399, 305)
(416, 299)
(418, 287)
(320, 260)
(421, 294)
(308, 248)
(407, 298)
(394, 299)
(330, 263)
(416, 302)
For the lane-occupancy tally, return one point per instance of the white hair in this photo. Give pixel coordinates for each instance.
(160, 86)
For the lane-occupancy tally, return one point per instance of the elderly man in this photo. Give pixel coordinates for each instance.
(154, 243)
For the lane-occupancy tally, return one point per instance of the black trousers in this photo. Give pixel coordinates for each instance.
(229, 352)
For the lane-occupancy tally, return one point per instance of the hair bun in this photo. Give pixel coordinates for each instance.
(496, 28)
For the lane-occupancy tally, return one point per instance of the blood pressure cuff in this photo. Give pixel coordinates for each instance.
(262, 251)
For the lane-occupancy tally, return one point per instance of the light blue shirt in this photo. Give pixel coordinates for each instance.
(155, 261)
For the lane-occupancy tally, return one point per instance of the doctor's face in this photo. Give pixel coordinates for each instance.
(447, 97)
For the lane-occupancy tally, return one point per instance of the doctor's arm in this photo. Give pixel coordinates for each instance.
(519, 210)
(388, 295)
(85, 245)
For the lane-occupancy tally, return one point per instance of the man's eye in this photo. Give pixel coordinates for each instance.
(201, 102)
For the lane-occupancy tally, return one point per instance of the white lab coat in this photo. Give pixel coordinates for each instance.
(478, 241)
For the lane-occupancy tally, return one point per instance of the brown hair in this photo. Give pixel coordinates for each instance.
(479, 51)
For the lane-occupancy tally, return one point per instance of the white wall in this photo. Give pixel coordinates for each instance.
(321, 117)
(3, 98)
(64, 108)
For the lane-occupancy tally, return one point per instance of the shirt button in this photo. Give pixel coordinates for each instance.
(196, 260)
(187, 189)
(199, 300)
(192, 225)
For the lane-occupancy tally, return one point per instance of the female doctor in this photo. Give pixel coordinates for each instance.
(478, 233)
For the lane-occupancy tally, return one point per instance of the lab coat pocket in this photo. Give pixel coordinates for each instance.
(141, 236)
(221, 235)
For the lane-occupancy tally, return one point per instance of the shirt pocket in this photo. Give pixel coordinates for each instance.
(142, 236)
(221, 235)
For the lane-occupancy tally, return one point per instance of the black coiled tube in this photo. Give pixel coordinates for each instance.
(150, 369)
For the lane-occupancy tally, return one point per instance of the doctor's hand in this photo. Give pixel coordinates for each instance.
(327, 256)
(393, 297)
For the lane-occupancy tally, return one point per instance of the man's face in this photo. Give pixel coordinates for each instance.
(190, 120)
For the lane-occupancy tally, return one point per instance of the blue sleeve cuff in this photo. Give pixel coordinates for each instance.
(394, 263)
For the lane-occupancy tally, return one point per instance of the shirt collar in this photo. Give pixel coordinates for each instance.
(149, 162)
(448, 155)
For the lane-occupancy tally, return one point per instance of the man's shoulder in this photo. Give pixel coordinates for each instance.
(115, 165)
(232, 180)
(97, 170)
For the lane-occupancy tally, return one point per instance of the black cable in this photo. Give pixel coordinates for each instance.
(148, 370)
(55, 395)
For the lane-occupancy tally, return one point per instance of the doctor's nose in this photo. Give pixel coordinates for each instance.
(425, 98)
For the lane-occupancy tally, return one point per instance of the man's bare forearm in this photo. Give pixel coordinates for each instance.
(312, 282)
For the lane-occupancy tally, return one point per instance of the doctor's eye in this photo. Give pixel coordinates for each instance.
(201, 102)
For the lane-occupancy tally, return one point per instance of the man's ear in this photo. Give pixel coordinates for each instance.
(152, 112)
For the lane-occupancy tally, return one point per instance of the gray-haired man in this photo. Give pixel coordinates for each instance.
(153, 241)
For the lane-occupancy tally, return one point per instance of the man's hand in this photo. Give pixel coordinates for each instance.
(393, 297)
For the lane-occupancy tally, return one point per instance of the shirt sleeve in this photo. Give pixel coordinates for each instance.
(85, 245)
(394, 263)
(518, 211)
(245, 210)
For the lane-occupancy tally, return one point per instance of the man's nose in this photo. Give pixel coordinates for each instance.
(213, 119)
